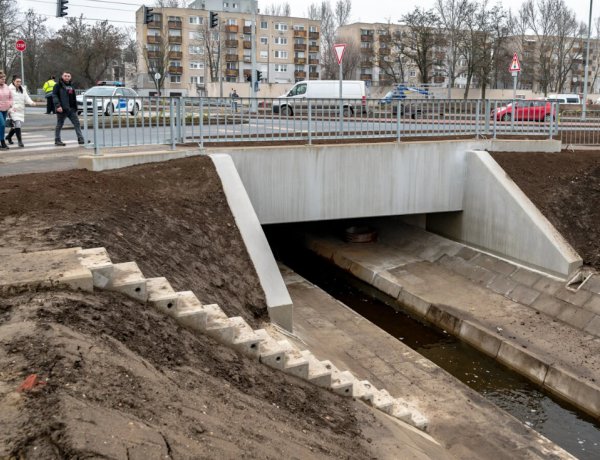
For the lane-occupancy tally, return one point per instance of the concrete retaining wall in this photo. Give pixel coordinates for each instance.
(499, 218)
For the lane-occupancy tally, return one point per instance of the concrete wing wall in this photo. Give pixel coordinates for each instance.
(308, 183)
(498, 217)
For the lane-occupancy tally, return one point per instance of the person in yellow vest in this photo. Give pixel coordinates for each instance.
(48, 87)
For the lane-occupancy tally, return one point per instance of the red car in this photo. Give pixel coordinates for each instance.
(527, 110)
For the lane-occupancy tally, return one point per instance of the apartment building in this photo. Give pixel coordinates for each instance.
(180, 42)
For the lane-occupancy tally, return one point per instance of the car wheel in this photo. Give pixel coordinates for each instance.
(287, 111)
(348, 112)
(135, 110)
(505, 117)
(109, 109)
(548, 117)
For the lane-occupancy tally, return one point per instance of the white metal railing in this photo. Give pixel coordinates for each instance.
(176, 120)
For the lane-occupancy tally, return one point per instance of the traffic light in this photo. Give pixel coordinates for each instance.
(258, 75)
(249, 77)
(61, 8)
(214, 19)
(148, 15)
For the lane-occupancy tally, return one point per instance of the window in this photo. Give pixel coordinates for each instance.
(232, 22)
(175, 48)
(151, 47)
(312, 29)
(264, 40)
(280, 54)
(280, 67)
(282, 26)
(194, 65)
(234, 5)
(281, 40)
(175, 78)
(264, 25)
(413, 73)
(174, 63)
(225, 4)
(174, 32)
(298, 27)
(195, 49)
(196, 20)
(174, 18)
(196, 80)
(264, 54)
(153, 33)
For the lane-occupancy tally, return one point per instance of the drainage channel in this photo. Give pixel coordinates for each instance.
(574, 431)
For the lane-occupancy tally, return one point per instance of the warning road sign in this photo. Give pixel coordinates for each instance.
(515, 65)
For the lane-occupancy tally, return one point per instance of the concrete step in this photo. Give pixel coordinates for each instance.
(409, 414)
(98, 262)
(128, 279)
(295, 364)
(196, 317)
(319, 372)
(342, 382)
(160, 294)
(365, 390)
(248, 342)
(271, 351)
(383, 401)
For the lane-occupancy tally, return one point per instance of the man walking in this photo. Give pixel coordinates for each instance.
(65, 104)
(48, 87)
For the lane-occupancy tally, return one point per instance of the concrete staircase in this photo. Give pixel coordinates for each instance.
(234, 332)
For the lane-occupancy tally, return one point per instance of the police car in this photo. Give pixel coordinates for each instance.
(109, 100)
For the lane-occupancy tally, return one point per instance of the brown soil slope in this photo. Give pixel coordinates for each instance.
(566, 188)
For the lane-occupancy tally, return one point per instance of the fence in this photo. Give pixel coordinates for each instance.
(110, 122)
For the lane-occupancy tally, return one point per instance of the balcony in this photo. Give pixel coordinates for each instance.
(247, 30)
(313, 75)
(231, 29)
(300, 34)
(366, 50)
(313, 35)
(247, 45)
(231, 43)
(174, 39)
(299, 46)
(386, 38)
(313, 61)
(366, 38)
(175, 70)
(231, 58)
(247, 59)
(175, 24)
(300, 74)
(313, 49)
(232, 72)
(175, 55)
(366, 76)
(384, 51)
(299, 61)
(156, 24)
(366, 63)
(154, 54)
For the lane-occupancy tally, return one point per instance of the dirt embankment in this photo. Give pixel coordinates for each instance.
(566, 188)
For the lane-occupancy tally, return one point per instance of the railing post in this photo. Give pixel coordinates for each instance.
(201, 123)
(95, 115)
(85, 120)
(552, 115)
(488, 114)
(181, 118)
(477, 113)
(495, 118)
(172, 121)
(309, 122)
(398, 116)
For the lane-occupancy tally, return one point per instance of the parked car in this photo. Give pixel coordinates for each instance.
(564, 98)
(414, 101)
(526, 110)
(110, 99)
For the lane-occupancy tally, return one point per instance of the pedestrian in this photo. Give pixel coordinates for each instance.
(48, 87)
(65, 104)
(20, 99)
(234, 97)
(6, 103)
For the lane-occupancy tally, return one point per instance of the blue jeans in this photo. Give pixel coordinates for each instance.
(60, 121)
(2, 124)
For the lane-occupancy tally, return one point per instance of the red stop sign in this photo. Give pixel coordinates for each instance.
(20, 45)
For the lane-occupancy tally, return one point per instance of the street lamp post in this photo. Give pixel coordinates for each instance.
(587, 59)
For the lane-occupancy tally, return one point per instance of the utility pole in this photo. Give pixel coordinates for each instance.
(253, 51)
(219, 61)
(587, 60)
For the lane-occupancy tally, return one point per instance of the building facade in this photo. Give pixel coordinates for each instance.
(180, 43)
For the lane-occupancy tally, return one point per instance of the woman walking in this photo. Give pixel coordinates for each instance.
(20, 99)
(6, 103)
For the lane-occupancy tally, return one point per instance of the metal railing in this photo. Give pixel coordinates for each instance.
(176, 120)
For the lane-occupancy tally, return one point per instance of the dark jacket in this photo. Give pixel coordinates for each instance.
(64, 96)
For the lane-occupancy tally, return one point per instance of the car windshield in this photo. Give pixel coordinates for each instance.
(100, 91)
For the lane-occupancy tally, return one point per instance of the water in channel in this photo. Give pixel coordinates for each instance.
(566, 426)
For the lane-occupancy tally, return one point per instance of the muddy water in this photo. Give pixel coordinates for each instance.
(573, 431)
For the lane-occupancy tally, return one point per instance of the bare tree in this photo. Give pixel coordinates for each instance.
(453, 15)
(393, 64)
(281, 9)
(9, 25)
(209, 40)
(342, 11)
(169, 3)
(35, 34)
(422, 40)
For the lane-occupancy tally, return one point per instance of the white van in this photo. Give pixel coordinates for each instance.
(326, 94)
(564, 98)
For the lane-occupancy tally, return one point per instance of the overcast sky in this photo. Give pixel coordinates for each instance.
(362, 10)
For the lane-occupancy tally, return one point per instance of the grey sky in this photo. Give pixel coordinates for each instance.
(362, 10)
